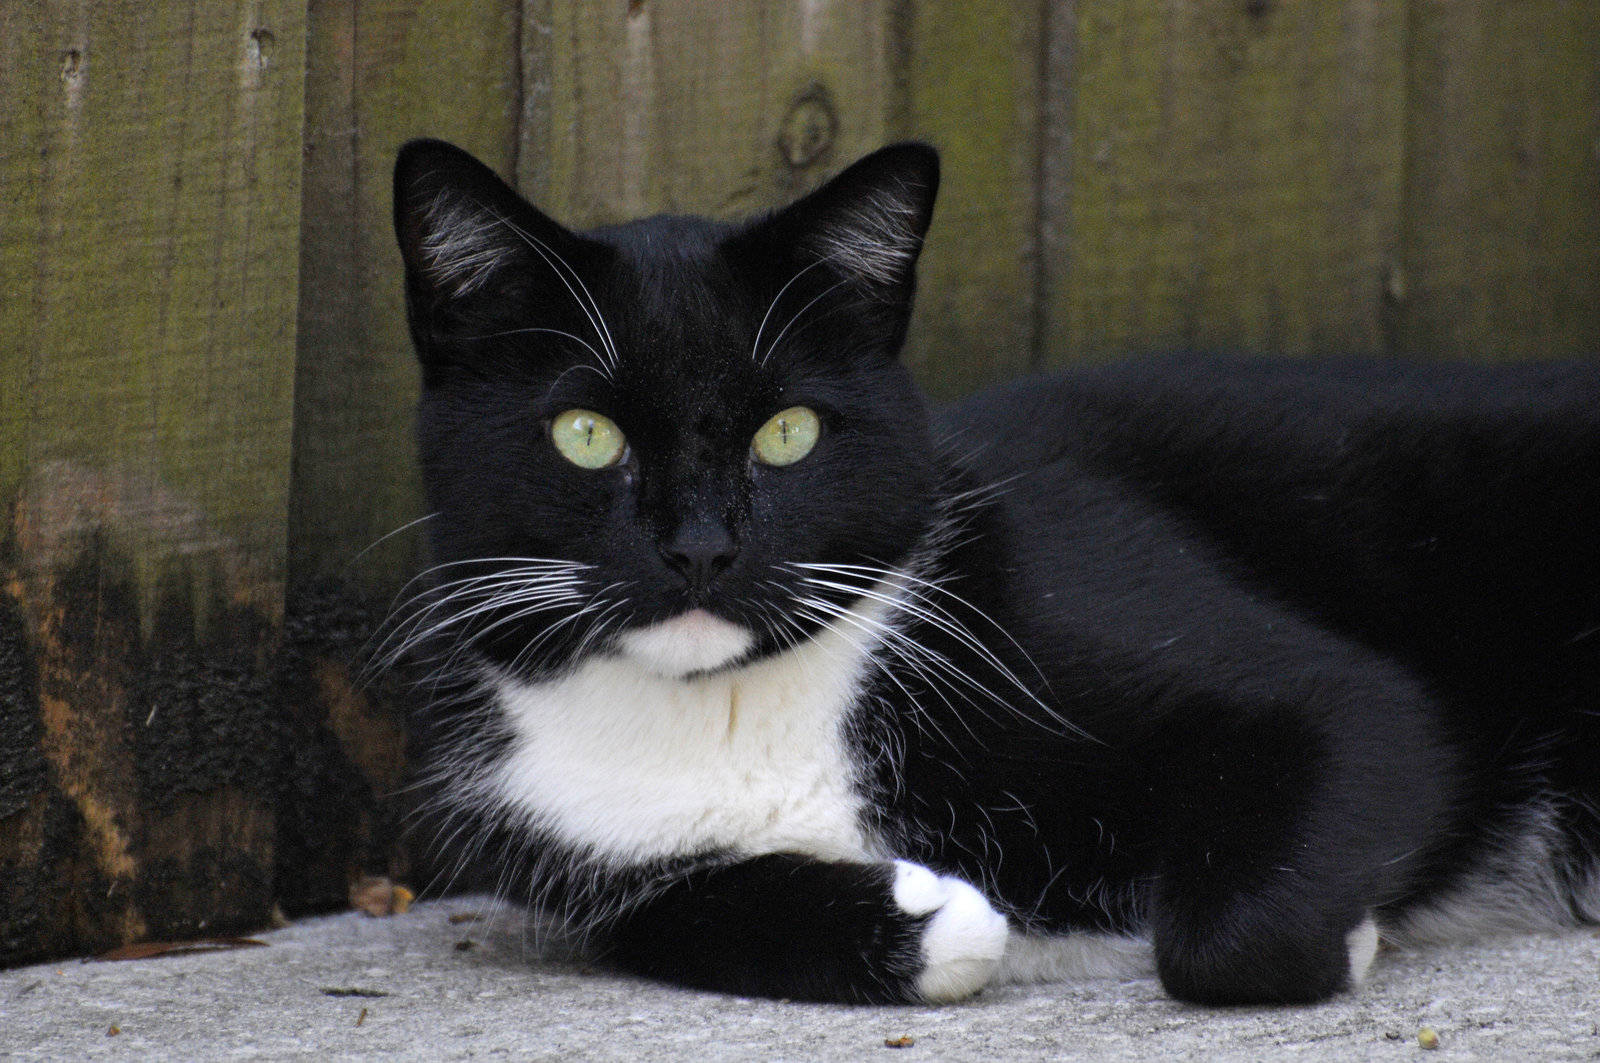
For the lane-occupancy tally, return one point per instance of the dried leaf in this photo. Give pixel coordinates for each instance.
(899, 1042)
(379, 896)
(146, 950)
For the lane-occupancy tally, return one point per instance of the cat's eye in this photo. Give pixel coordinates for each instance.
(787, 437)
(588, 439)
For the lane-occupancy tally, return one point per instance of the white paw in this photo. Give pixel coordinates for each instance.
(1362, 944)
(962, 943)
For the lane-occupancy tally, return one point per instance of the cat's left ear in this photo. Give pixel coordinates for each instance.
(864, 227)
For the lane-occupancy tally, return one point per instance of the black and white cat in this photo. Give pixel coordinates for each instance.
(776, 682)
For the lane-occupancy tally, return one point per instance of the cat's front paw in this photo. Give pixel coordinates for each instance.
(963, 938)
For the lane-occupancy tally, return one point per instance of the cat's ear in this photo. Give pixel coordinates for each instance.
(855, 239)
(465, 233)
(866, 226)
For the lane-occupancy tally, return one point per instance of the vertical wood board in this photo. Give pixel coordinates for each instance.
(151, 162)
(156, 198)
(972, 77)
(701, 106)
(1235, 176)
(1502, 191)
(380, 72)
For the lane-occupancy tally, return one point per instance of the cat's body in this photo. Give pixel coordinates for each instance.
(1222, 662)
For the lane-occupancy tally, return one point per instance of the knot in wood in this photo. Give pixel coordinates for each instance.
(809, 129)
(261, 45)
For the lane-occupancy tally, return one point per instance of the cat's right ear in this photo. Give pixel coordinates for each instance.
(469, 241)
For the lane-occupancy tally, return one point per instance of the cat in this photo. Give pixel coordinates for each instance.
(772, 680)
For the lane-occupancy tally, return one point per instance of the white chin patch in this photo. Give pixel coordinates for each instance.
(694, 642)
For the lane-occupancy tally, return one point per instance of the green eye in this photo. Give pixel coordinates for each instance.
(588, 439)
(788, 437)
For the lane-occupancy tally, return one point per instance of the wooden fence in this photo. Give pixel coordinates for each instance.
(204, 413)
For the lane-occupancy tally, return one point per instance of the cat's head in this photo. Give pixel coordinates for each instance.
(636, 439)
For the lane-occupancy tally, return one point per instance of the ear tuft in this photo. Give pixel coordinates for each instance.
(851, 245)
(454, 220)
(462, 245)
(870, 221)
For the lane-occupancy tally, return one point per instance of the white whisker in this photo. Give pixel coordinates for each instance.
(920, 605)
(784, 331)
(380, 540)
(585, 344)
(570, 277)
(755, 348)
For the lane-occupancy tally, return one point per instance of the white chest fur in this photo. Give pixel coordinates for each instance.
(630, 766)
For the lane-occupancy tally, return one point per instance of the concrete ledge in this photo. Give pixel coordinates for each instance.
(1514, 998)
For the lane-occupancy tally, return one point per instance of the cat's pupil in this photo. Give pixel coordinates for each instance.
(787, 436)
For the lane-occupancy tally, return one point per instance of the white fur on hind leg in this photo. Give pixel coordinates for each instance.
(1362, 945)
(963, 941)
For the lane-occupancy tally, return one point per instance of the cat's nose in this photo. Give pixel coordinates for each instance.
(700, 552)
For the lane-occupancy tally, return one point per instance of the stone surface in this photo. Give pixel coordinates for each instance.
(1514, 998)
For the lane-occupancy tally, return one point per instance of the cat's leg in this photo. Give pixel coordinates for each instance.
(1260, 949)
(1274, 904)
(1287, 824)
(790, 926)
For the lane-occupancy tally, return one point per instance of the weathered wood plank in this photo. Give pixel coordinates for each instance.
(728, 109)
(151, 164)
(1502, 190)
(972, 85)
(700, 105)
(22, 164)
(379, 72)
(1235, 176)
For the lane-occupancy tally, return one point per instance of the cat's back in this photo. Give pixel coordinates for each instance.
(1132, 419)
(1442, 513)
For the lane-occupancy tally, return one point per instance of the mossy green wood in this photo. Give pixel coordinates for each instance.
(1235, 177)
(971, 75)
(380, 72)
(151, 215)
(22, 164)
(700, 105)
(1502, 191)
(728, 109)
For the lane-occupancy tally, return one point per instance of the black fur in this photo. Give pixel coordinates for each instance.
(1235, 652)
(781, 926)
